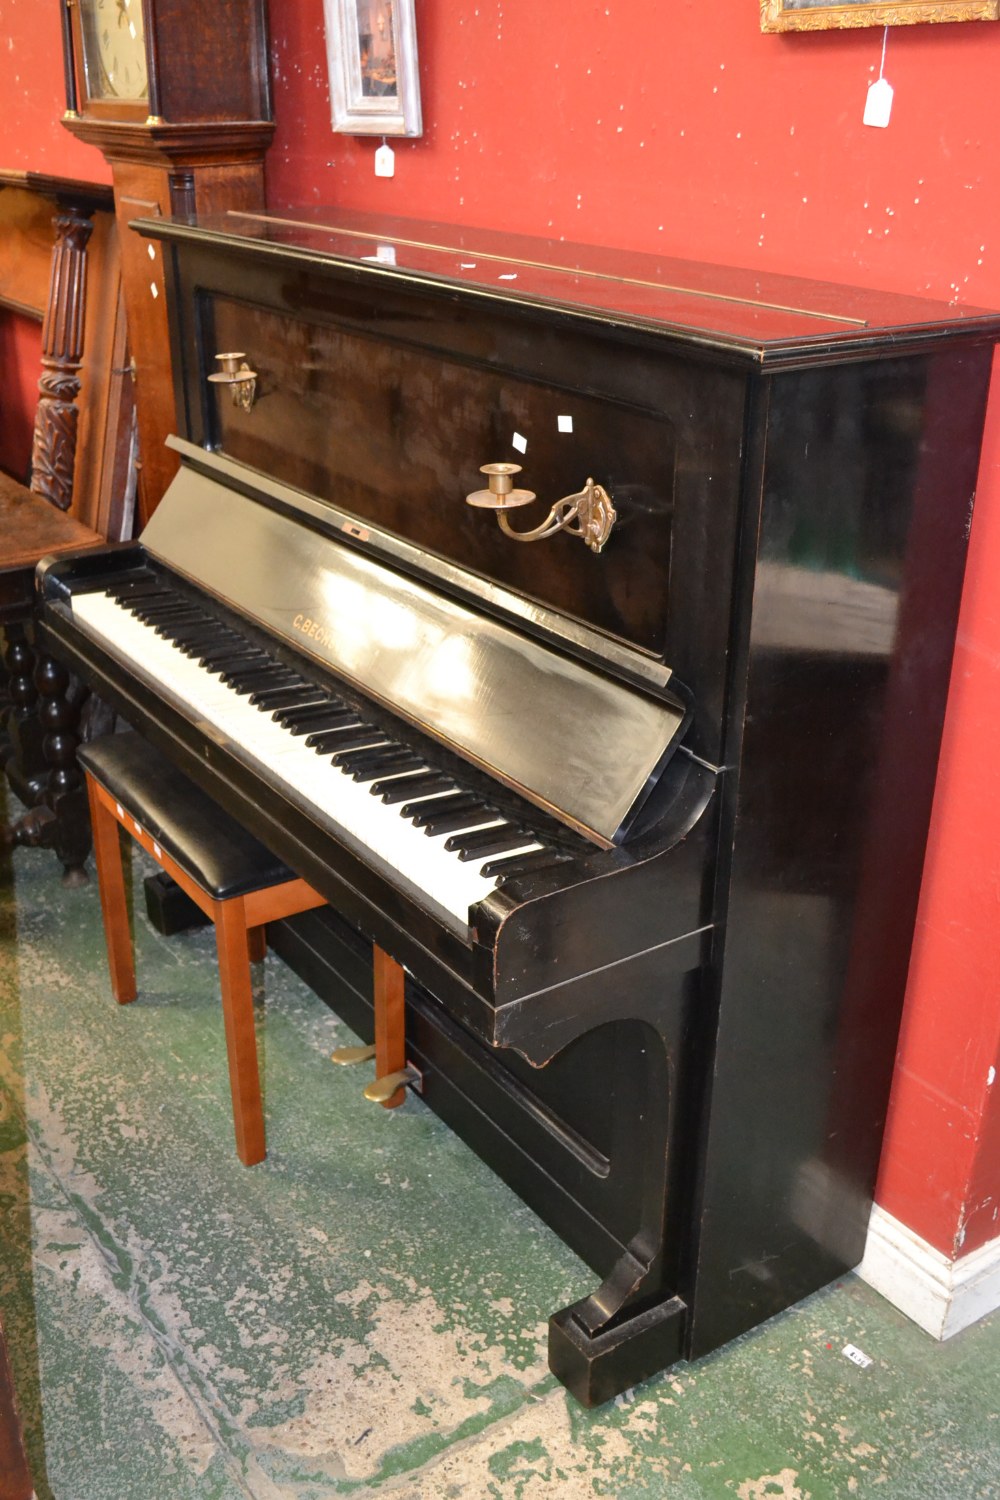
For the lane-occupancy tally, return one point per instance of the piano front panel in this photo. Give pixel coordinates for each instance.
(664, 431)
(396, 435)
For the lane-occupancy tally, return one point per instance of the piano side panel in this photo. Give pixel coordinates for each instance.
(669, 428)
(867, 500)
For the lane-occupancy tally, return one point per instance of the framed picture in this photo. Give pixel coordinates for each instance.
(371, 48)
(822, 15)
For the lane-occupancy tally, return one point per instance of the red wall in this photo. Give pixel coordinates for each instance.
(682, 128)
(21, 363)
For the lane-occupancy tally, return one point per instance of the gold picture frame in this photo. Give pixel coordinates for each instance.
(820, 15)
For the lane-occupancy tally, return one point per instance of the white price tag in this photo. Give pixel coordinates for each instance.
(858, 1356)
(519, 442)
(878, 104)
(385, 161)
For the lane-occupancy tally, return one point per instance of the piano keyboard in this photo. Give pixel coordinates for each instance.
(381, 798)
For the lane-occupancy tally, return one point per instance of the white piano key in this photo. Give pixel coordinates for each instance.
(372, 829)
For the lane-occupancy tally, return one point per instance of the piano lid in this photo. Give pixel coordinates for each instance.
(579, 744)
(769, 317)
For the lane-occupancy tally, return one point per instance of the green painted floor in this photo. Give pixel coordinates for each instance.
(364, 1313)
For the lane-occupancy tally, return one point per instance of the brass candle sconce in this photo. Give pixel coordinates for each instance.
(589, 514)
(237, 374)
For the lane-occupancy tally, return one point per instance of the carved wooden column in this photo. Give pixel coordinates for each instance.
(54, 450)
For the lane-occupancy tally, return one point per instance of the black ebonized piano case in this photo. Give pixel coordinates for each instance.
(676, 1039)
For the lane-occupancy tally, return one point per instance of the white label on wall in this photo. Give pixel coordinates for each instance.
(878, 104)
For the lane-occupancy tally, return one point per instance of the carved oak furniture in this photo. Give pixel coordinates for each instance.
(36, 522)
(177, 96)
(644, 824)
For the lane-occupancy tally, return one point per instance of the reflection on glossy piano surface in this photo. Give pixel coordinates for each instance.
(644, 826)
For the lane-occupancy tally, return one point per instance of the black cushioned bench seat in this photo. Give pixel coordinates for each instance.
(218, 853)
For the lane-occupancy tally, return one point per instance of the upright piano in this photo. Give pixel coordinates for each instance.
(640, 804)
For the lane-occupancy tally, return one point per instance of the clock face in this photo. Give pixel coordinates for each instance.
(114, 49)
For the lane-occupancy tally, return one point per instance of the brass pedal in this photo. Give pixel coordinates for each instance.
(382, 1090)
(347, 1056)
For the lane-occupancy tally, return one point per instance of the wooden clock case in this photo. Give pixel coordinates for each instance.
(196, 145)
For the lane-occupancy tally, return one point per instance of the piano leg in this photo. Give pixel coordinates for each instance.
(633, 1325)
(597, 1352)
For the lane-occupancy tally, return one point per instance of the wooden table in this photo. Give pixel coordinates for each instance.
(31, 528)
(40, 751)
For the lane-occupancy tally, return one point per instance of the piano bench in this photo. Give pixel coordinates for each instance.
(238, 883)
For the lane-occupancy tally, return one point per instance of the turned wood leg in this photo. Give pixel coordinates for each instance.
(390, 1021)
(24, 757)
(111, 885)
(65, 795)
(241, 1041)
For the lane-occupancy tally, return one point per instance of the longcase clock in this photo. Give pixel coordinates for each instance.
(176, 94)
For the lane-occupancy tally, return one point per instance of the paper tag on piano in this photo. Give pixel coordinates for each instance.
(878, 105)
(385, 161)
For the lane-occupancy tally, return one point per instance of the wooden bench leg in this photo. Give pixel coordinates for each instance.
(241, 1043)
(257, 941)
(111, 884)
(390, 1020)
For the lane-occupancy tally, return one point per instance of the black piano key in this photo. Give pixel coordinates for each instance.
(140, 588)
(342, 738)
(206, 632)
(199, 633)
(249, 679)
(316, 699)
(384, 765)
(151, 597)
(489, 841)
(324, 713)
(399, 788)
(230, 658)
(431, 806)
(518, 864)
(165, 621)
(456, 822)
(196, 649)
(278, 696)
(374, 751)
(161, 609)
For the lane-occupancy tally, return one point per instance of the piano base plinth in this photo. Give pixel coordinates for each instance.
(596, 1367)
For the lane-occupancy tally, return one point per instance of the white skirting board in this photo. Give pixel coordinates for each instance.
(941, 1295)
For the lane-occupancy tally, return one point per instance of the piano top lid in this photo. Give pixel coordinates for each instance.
(771, 318)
